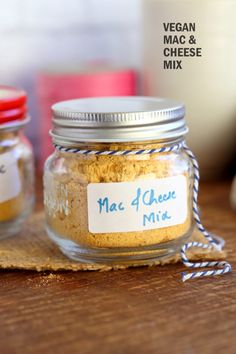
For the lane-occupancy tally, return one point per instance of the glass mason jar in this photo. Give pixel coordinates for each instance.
(16, 162)
(118, 188)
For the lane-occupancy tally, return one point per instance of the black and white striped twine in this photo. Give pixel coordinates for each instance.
(222, 266)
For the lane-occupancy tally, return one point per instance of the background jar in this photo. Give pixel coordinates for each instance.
(16, 162)
(78, 171)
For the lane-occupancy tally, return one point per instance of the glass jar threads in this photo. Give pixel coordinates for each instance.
(118, 188)
(16, 162)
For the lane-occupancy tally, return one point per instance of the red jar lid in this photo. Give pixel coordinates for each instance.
(13, 114)
(12, 104)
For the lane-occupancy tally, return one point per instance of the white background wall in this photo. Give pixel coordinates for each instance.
(35, 33)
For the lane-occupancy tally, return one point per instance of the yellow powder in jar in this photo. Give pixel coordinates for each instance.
(66, 194)
(12, 208)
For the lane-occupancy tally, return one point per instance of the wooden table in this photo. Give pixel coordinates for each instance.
(142, 310)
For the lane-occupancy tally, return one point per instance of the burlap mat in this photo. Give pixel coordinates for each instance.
(33, 250)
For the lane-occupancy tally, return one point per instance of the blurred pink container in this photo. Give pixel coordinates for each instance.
(63, 85)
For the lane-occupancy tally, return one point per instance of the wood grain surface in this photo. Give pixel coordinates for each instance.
(142, 310)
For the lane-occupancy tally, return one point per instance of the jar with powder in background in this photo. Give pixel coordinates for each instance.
(118, 189)
(16, 162)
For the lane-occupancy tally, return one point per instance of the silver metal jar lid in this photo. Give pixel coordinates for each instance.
(117, 119)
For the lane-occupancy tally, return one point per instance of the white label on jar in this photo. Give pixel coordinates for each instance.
(10, 184)
(137, 206)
